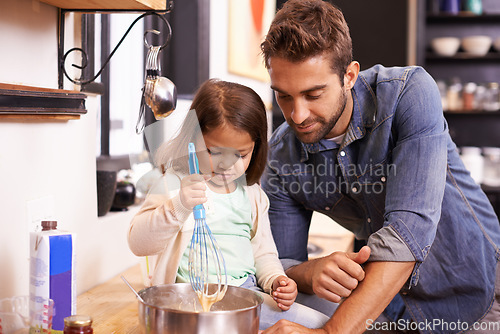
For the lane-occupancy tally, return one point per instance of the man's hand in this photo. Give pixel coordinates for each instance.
(287, 327)
(336, 275)
(284, 292)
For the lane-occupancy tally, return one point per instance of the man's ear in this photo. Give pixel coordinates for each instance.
(351, 75)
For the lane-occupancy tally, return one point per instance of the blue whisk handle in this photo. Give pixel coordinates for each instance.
(199, 212)
(193, 160)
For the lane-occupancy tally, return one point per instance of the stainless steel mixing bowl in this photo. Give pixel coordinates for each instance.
(175, 309)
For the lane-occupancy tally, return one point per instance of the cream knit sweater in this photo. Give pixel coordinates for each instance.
(162, 230)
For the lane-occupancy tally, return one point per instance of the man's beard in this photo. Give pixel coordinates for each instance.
(326, 125)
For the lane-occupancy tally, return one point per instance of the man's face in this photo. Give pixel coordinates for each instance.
(311, 97)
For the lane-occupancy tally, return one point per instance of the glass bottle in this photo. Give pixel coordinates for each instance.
(78, 324)
(453, 95)
(468, 96)
(492, 101)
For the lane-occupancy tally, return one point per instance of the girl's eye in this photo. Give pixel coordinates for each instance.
(212, 153)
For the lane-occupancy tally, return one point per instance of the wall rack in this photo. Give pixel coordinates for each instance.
(18, 101)
(103, 7)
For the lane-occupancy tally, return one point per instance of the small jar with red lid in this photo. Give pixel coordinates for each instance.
(78, 324)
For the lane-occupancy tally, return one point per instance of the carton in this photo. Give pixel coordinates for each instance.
(52, 276)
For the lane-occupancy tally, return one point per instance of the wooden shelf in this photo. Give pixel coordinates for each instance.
(18, 101)
(464, 18)
(140, 5)
(464, 56)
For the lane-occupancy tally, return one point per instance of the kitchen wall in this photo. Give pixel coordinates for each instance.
(47, 168)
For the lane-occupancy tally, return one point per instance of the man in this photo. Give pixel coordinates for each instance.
(372, 150)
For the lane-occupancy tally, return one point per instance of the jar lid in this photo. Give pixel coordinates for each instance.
(49, 225)
(78, 320)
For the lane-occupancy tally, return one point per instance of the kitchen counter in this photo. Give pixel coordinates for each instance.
(112, 305)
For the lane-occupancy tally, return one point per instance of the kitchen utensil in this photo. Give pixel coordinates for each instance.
(496, 44)
(124, 196)
(16, 317)
(174, 309)
(204, 252)
(476, 45)
(445, 46)
(133, 290)
(158, 93)
(106, 189)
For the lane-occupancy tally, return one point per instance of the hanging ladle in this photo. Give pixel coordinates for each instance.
(159, 93)
(133, 290)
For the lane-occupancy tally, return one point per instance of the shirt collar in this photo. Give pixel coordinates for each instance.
(363, 117)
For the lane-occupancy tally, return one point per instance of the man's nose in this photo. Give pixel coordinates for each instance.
(300, 112)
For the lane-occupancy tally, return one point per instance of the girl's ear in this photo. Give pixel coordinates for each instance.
(351, 75)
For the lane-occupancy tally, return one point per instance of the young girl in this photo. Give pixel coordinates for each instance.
(228, 125)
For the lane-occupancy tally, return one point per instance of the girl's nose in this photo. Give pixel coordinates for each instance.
(227, 161)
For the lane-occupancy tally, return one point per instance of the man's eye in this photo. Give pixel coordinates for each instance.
(313, 97)
(283, 97)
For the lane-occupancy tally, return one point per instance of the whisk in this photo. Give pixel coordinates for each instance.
(204, 252)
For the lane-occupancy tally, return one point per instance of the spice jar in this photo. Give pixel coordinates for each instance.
(78, 324)
(492, 100)
(468, 96)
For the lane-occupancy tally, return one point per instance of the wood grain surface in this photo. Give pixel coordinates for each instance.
(112, 305)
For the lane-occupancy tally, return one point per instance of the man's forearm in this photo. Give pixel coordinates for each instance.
(382, 282)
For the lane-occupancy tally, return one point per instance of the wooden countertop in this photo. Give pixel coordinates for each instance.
(112, 305)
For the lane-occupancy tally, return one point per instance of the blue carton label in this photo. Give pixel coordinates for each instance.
(61, 265)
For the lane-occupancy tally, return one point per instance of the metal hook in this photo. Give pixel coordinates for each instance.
(156, 32)
(84, 55)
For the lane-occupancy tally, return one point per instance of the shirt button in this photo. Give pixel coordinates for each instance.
(369, 220)
(383, 179)
(327, 208)
(354, 189)
(342, 153)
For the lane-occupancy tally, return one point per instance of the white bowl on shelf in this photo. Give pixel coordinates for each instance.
(496, 44)
(445, 46)
(476, 45)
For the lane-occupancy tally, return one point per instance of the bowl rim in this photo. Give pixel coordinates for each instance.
(477, 37)
(260, 301)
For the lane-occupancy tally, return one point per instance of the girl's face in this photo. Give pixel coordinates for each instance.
(229, 155)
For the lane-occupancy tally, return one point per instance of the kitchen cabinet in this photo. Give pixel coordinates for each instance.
(467, 128)
(112, 5)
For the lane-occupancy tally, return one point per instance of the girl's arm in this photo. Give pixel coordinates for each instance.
(267, 263)
(160, 218)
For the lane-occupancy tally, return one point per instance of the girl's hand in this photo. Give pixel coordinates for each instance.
(193, 189)
(284, 292)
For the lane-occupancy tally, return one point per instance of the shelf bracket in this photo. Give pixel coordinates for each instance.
(85, 60)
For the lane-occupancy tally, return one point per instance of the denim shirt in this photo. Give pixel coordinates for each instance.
(397, 182)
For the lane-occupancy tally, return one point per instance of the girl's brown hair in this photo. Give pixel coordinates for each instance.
(306, 28)
(215, 104)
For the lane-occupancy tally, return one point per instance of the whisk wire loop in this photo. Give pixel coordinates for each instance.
(204, 252)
